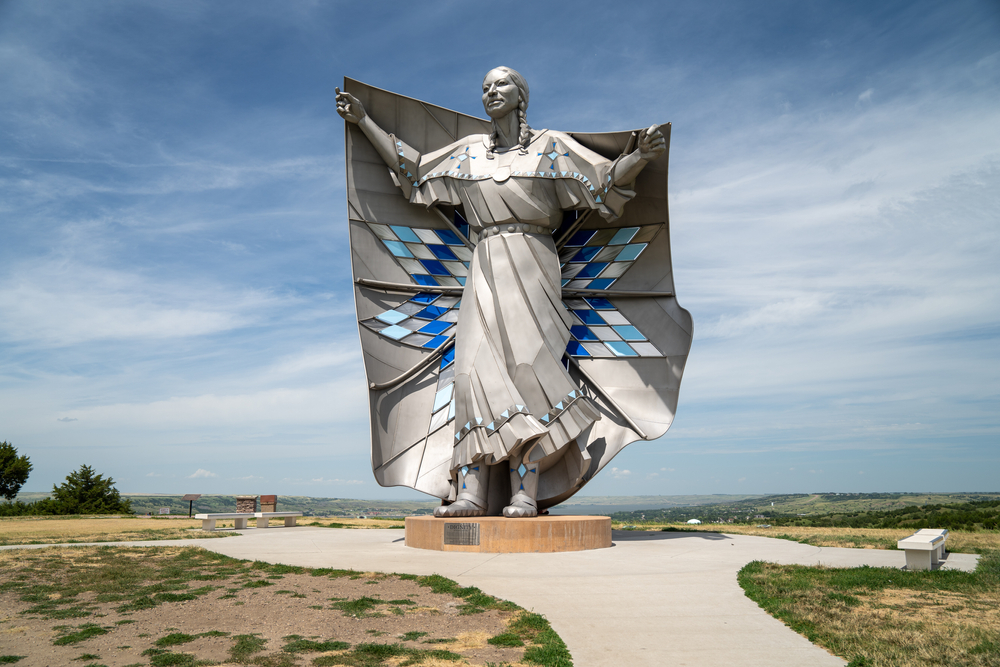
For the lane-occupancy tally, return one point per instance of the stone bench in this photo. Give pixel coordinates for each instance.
(264, 517)
(943, 532)
(239, 519)
(924, 549)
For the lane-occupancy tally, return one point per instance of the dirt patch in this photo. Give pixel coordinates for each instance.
(153, 606)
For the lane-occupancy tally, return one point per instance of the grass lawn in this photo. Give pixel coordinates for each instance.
(883, 617)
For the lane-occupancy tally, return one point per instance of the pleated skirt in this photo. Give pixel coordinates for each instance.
(513, 396)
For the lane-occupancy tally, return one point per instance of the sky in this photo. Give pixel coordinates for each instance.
(176, 305)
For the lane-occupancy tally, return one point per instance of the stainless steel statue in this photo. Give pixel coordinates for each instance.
(514, 342)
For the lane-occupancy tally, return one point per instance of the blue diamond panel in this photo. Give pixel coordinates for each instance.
(435, 327)
(602, 331)
(425, 321)
(584, 255)
(425, 254)
(596, 258)
(433, 257)
(442, 252)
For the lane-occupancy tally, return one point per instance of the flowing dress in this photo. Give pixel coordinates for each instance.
(513, 394)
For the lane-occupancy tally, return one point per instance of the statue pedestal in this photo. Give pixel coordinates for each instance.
(496, 534)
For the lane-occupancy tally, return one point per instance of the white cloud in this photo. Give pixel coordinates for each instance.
(71, 303)
(784, 313)
(153, 474)
(320, 404)
(201, 472)
(866, 96)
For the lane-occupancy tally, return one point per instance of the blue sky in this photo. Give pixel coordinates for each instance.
(175, 290)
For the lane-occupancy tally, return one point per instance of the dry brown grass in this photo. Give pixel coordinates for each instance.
(351, 523)
(55, 530)
(861, 538)
(44, 530)
(879, 617)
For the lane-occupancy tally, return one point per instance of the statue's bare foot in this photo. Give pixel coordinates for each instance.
(460, 508)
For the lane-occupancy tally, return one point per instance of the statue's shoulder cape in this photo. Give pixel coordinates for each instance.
(629, 346)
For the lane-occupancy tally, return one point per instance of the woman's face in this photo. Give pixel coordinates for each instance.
(500, 95)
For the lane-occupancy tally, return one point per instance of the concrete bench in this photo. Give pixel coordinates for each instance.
(239, 519)
(943, 532)
(924, 549)
(264, 517)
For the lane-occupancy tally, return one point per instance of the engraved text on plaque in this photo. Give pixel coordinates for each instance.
(461, 534)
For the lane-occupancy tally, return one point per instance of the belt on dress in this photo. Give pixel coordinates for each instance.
(515, 228)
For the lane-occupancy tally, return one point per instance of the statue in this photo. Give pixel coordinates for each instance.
(502, 234)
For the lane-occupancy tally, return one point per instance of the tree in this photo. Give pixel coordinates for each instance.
(14, 471)
(83, 492)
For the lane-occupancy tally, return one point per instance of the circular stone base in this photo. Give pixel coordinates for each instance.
(496, 534)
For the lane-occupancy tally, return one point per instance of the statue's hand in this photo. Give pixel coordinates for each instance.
(349, 108)
(651, 143)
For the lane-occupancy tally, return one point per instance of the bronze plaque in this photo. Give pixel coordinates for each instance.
(461, 534)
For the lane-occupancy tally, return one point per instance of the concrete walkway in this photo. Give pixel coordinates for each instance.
(652, 599)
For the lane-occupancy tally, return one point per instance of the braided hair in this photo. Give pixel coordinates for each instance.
(524, 132)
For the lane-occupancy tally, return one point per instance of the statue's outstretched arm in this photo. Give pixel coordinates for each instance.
(351, 110)
(651, 146)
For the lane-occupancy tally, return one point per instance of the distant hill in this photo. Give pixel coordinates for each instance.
(143, 503)
(976, 515)
(658, 501)
(152, 503)
(788, 507)
(723, 508)
(305, 504)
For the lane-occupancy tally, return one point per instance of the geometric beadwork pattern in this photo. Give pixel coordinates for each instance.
(592, 259)
(600, 330)
(508, 414)
(497, 422)
(432, 257)
(596, 258)
(426, 320)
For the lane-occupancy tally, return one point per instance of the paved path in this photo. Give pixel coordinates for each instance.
(652, 599)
